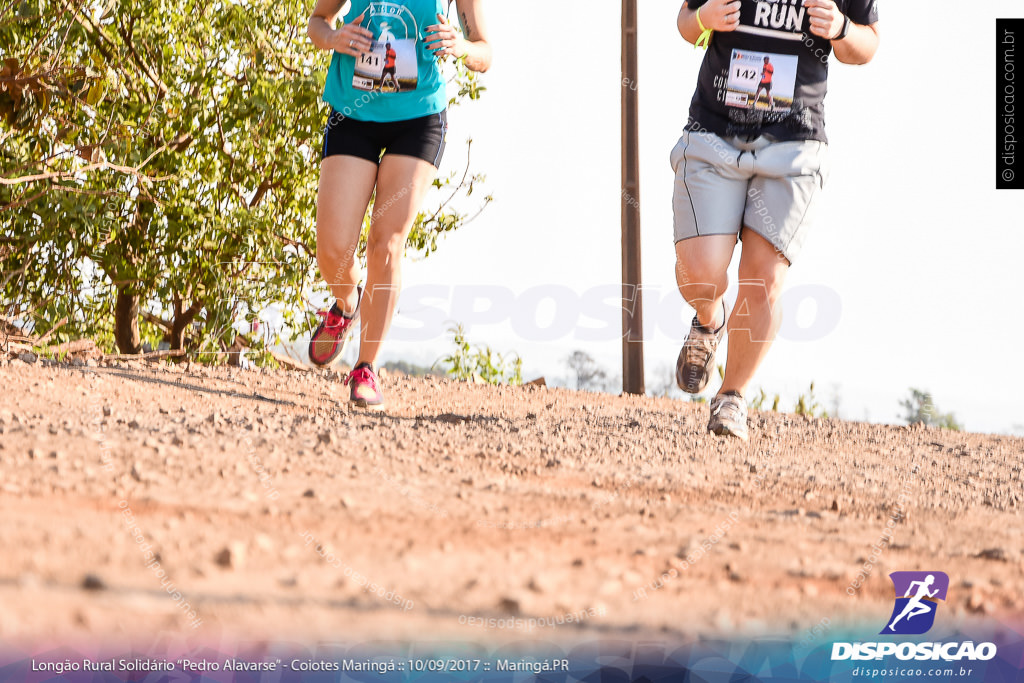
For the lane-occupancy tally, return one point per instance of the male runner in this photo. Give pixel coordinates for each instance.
(767, 71)
(752, 174)
(390, 57)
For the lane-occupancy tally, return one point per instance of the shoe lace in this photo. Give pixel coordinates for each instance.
(699, 349)
(333, 322)
(728, 407)
(362, 376)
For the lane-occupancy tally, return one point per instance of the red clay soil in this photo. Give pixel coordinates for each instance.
(138, 498)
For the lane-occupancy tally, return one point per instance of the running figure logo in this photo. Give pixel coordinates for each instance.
(917, 596)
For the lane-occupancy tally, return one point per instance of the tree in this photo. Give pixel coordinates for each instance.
(412, 369)
(589, 375)
(921, 409)
(663, 382)
(158, 177)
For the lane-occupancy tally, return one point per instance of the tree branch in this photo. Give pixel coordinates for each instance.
(294, 243)
(24, 201)
(100, 165)
(45, 337)
(130, 44)
(155, 320)
(266, 186)
(462, 182)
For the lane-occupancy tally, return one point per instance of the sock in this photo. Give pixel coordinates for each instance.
(340, 311)
(714, 330)
(707, 328)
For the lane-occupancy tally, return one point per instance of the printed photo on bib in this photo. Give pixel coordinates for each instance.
(761, 81)
(391, 65)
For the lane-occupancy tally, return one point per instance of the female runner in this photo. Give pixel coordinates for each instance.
(388, 141)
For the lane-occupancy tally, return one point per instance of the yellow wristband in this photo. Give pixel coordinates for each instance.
(704, 39)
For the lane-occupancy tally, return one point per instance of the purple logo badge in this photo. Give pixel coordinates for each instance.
(917, 600)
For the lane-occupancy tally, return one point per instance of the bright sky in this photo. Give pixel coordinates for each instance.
(915, 263)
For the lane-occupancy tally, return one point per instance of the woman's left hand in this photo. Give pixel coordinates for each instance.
(444, 39)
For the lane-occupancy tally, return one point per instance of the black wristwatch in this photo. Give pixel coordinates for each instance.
(845, 30)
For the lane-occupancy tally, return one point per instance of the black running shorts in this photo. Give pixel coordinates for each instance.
(423, 138)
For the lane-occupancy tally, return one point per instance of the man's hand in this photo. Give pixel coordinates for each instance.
(720, 15)
(826, 19)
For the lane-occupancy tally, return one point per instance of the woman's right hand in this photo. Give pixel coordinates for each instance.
(720, 15)
(352, 38)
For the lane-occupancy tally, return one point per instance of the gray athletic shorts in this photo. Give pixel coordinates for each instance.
(770, 187)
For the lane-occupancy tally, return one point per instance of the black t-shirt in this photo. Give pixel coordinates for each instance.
(770, 75)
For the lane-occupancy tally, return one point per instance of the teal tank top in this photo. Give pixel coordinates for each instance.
(400, 78)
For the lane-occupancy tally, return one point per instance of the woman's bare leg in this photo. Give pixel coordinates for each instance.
(402, 184)
(346, 184)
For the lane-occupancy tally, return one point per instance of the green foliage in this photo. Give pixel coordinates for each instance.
(468, 82)
(482, 363)
(760, 402)
(163, 170)
(807, 404)
(166, 151)
(920, 408)
(52, 355)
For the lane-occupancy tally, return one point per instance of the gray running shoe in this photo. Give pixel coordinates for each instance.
(697, 357)
(729, 416)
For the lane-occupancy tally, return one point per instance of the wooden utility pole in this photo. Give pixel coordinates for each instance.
(632, 306)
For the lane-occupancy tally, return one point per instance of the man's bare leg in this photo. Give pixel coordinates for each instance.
(757, 315)
(701, 274)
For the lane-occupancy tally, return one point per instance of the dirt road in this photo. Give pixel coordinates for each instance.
(138, 498)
